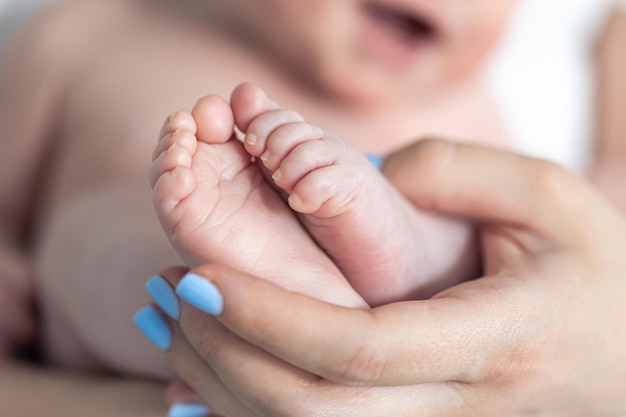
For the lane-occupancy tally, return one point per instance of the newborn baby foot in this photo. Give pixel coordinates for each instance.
(386, 248)
(216, 206)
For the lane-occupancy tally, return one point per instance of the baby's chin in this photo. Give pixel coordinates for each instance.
(360, 90)
(373, 91)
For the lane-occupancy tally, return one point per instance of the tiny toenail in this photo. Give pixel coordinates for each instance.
(376, 160)
(200, 293)
(172, 147)
(175, 172)
(277, 175)
(154, 327)
(272, 104)
(295, 200)
(177, 113)
(265, 156)
(251, 138)
(172, 117)
(163, 295)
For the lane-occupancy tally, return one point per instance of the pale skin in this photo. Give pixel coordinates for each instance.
(75, 102)
(540, 334)
(27, 390)
(215, 204)
(207, 191)
(609, 166)
(31, 107)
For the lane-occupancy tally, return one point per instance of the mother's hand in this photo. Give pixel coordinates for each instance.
(542, 333)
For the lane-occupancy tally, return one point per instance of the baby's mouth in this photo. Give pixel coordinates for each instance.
(407, 26)
(395, 35)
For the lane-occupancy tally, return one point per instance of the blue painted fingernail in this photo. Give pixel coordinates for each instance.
(164, 296)
(188, 410)
(201, 293)
(154, 327)
(376, 160)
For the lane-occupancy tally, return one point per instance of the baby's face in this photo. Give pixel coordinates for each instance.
(367, 49)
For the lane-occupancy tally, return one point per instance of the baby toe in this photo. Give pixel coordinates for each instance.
(214, 120)
(179, 120)
(303, 159)
(181, 137)
(249, 102)
(261, 128)
(169, 190)
(175, 156)
(285, 139)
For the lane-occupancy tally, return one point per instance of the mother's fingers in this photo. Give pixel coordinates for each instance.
(243, 379)
(259, 380)
(452, 338)
(491, 185)
(199, 376)
(191, 367)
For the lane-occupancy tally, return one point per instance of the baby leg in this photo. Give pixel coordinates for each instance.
(93, 259)
(387, 248)
(216, 206)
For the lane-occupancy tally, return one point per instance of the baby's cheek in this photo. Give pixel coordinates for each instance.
(475, 34)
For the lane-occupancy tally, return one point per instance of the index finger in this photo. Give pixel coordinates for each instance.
(495, 186)
(269, 386)
(446, 339)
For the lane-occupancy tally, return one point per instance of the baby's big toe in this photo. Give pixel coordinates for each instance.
(249, 102)
(214, 119)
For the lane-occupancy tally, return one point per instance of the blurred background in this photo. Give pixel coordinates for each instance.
(13, 13)
(541, 76)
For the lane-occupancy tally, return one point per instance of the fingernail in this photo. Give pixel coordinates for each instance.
(164, 296)
(376, 160)
(200, 293)
(154, 327)
(188, 410)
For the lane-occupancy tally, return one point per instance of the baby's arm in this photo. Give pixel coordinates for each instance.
(33, 76)
(27, 112)
(608, 169)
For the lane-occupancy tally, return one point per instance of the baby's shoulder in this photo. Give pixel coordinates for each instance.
(62, 35)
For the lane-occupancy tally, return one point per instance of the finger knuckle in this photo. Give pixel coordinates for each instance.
(431, 159)
(305, 400)
(294, 408)
(209, 349)
(551, 180)
(363, 367)
(432, 153)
